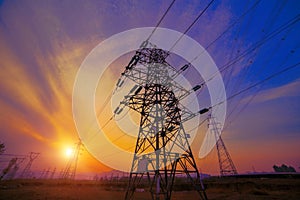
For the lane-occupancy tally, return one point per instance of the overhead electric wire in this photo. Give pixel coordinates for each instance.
(199, 124)
(271, 35)
(254, 85)
(266, 27)
(261, 69)
(262, 41)
(259, 82)
(159, 22)
(254, 46)
(237, 43)
(246, 104)
(275, 49)
(109, 97)
(223, 33)
(99, 112)
(227, 29)
(189, 27)
(192, 24)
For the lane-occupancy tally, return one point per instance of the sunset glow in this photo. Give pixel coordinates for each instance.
(44, 43)
(69, 152)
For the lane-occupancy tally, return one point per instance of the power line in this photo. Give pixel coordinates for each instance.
(259, 82)
(228, 28)
(249, 50)
(262, 41)
(223, 33)
(261, 69)
(252, 48)
(192, 24)
(259, 43)
(237, 84)
(200, 124)
(102, 127)
(158, 23)
(108, 97)
(255, 46)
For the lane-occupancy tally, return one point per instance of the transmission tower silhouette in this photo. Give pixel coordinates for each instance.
(70, 171)
(52, 173)
(226, 164)
(13, 166)
(26, 172)
(162, 149)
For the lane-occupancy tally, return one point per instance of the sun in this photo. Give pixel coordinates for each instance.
(69, 152)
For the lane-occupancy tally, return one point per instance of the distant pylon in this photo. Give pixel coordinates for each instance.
(53, 172)
(42, 174)
(70, 171)
(226, 164)
(47, 173)
(10, 171)
(14, 169)
(26, 172)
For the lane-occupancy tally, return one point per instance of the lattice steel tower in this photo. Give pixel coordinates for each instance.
(226, 164)
(13, 166)
(70, 171)
(162, 148)
(26, 172)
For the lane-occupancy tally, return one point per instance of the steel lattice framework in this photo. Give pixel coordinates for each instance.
(226, 164)
(70, 171)
(162, 148)
(13, 166)
(26, 172)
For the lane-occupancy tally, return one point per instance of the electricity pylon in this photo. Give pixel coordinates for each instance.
(52, 173)
(162, 148)
(70, 170)
(226, 164)
(14, 170)
(13, 166)
(26, 172)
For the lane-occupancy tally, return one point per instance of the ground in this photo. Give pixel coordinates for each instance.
(217, 188)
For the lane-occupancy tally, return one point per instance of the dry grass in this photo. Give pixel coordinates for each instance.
(232, 188)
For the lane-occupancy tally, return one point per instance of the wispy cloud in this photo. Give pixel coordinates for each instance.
(43, 44)
(284, 91)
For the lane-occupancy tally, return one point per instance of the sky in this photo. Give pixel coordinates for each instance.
(43, 43)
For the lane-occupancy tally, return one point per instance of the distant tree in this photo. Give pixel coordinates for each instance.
(292, 169)
(2, 148)
(276, 168)
(284, 168)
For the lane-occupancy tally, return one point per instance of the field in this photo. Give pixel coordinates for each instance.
(217, 188)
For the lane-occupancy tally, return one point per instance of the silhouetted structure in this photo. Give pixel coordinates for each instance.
(283, 168)
(2, 148)
(13, 166)
(70, 171)
(53, 172)
(226, 164)
(26, 172)
(162, 148)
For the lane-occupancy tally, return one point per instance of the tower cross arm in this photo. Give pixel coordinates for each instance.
(188, 115)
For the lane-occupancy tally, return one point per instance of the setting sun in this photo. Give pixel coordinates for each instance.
(69, 152)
